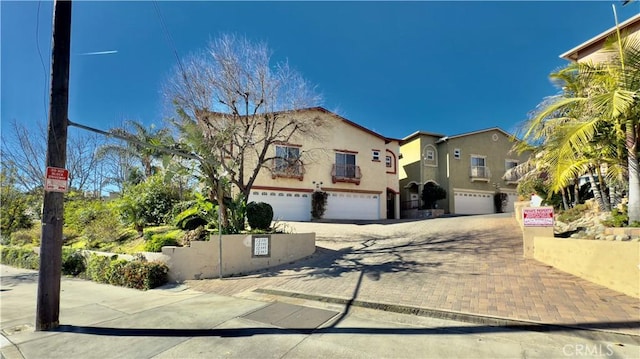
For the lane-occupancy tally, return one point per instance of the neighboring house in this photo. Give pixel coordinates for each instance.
(590, 49)
(469, 166)
(354, 165)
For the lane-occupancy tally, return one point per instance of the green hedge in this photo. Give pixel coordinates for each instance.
(19, 257)
(102, 269)
(259, 215)
(157, 241)
(132, 274)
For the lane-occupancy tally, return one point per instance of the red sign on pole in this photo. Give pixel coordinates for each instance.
(538, 216)
(56, 179)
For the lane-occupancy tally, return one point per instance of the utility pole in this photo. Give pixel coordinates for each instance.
(48, 308)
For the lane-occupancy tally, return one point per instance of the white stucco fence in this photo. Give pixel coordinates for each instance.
(240, 254)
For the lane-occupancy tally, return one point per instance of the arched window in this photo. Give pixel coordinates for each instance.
(430, 156)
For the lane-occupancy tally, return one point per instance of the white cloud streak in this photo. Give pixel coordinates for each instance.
(100, 53)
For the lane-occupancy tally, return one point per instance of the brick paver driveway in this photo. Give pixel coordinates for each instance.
(467, 264)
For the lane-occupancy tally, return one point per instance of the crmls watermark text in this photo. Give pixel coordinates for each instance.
(583, 350)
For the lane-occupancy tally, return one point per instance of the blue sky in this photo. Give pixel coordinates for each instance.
(393, 67)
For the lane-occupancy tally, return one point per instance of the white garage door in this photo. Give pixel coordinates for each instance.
(287, 206)
(513, 197)
(341, 205)
(470, 202)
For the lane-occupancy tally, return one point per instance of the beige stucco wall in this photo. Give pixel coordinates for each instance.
(410, 162)
(201, 259)
(318, 155)
(415, 166)
(495, 153)
(452, 173)
(615, 265)
(593, 54)
(517, 209)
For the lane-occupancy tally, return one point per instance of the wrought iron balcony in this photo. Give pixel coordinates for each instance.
(480, 173)
(346, 173)
(511, 177)
(287, 169)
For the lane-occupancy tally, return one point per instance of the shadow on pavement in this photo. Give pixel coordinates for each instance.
(584, 330)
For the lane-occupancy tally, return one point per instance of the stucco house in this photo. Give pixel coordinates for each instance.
(590, 49)
(357, 167)
(469, 166)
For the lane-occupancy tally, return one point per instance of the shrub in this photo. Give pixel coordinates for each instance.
(573, 214)
(259, 215)
(95, 220)
(619, 218)
(160, 240)
(73, 262)
(26, 236)
(318, 204)
(431, 193)
(500, 201)
(13, 204)
(133, 274)
(98, 268)
(149, 202)
(200, 213)
(19, 257)
(136, 274)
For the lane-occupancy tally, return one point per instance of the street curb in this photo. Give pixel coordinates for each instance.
(521, 325)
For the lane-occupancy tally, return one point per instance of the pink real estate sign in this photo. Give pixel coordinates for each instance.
(537, 216)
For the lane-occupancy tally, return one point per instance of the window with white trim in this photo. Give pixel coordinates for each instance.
(345, 165)
(479, 168)
(430, 155)
(375, 154)
(509, 164)
(287, 161)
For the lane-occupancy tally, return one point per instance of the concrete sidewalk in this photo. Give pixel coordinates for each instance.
(102, 321)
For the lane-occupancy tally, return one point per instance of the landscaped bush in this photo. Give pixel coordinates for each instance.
(144, 275)
(159, 240)
(97, 268)
(14, 204)
(573, 214)
(199, 212)
(73, 262)
(259, 215)
(133, 274)
(432, 193)
(149, 202)
(500, 201)
(94, 220)
(318, 204)
(19, 257)
(23, 237)
(102, 269)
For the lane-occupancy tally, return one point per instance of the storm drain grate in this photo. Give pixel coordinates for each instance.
(291, 316)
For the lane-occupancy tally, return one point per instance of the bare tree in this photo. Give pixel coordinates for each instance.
(243, 106)
(25, 149)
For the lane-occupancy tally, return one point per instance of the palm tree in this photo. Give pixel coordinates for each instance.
(576, 127)
(143, 144)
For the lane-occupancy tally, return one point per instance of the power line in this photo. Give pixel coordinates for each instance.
(44, 69)
(141, 143)
(171, 44)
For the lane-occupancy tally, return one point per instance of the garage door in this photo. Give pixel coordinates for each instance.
(470, 202)
(513, 198)
(287, 206)
(341, 205)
